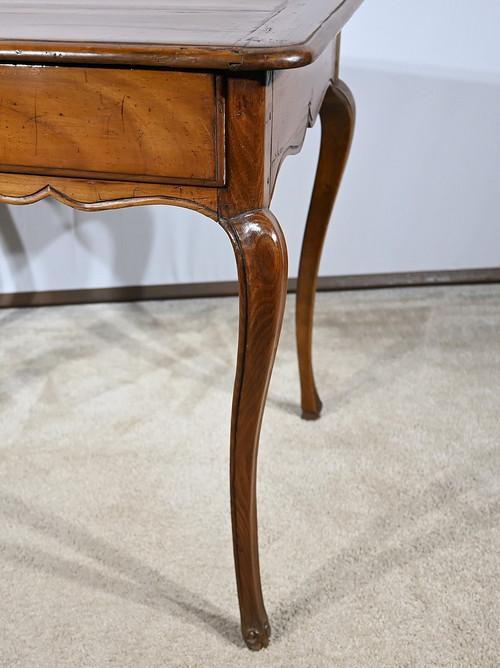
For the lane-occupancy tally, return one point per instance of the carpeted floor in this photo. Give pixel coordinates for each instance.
(379, 539)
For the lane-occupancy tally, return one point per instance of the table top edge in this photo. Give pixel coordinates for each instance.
(253, 56)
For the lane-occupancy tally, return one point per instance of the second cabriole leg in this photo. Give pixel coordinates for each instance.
(337, 124)
(261, 256)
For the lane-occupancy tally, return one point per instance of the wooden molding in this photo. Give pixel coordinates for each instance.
(274, 35)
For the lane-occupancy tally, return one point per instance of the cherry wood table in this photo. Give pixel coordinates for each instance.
(113, 103)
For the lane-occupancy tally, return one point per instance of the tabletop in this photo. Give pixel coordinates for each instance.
(222, 34)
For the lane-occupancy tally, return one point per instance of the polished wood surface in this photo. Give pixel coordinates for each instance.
(98, 195)
(337, 126)
(297, 99)
(57, 115)
(263, 34)
(100, 108)
(262, 262)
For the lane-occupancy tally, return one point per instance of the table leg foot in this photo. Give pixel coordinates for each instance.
(262, 270)
(257, 638)
(337, 124)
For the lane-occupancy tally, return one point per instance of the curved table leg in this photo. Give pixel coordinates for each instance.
(261, 256)
(337, 124)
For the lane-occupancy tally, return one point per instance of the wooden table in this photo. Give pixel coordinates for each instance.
(112, 103)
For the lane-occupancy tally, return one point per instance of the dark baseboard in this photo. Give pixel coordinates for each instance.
(410, 279)
(230, 288)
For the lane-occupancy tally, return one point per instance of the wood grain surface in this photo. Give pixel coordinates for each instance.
(221, 34)
(297, 98)
(337, 127)
(262, 261)
(144, 125)
(97, 195)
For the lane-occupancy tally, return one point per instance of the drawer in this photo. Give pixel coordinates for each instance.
(145, 125)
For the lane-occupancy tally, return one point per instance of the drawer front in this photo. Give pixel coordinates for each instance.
(142, 125)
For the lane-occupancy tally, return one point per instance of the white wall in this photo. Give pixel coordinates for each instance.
(420, 191)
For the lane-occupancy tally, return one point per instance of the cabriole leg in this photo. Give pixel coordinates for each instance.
(262, 270)
(337, 124)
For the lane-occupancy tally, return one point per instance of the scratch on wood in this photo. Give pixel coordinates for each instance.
(36, 127)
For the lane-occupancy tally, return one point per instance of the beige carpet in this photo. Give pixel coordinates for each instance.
(380, 536)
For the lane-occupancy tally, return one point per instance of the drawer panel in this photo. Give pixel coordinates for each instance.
(142, 125)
